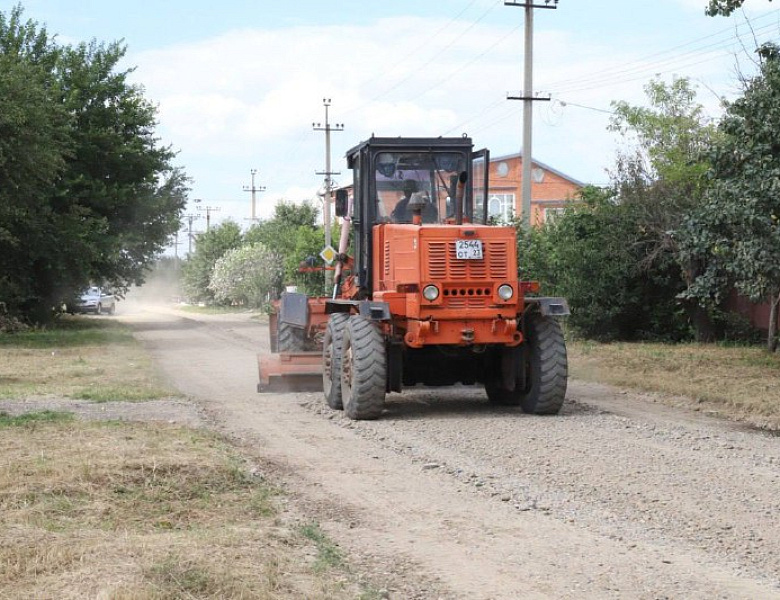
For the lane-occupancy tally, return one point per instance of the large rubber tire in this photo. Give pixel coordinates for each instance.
(99, 309)
(331, 359)
(290, 339)
(546, 367)
(363, 369)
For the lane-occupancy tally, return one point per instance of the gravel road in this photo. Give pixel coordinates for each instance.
(448, 496)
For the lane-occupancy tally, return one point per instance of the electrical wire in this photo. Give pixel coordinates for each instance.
(638, 69)
(383, 93)
(641, 67)
(464, 66)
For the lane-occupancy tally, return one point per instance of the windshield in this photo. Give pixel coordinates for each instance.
(423, 178)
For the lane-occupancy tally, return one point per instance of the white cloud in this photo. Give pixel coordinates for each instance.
(248, 98)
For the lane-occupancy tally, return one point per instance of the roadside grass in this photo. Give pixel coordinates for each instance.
(43, 416)
(740, 382)
(81, 358)
(138, 511)
(328, 554)
(257, 314)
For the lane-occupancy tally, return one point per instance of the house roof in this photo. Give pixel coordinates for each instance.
(540, 164)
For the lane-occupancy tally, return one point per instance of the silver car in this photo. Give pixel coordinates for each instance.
(96, 300)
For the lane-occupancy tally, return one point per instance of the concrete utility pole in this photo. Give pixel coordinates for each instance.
(190, 218)
(328, 181)
(528, 99)
(254, 191)
(208, 210)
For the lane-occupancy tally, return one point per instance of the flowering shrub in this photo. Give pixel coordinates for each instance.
(246, 275)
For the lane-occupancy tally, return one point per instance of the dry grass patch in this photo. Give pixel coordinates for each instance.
(131, 511)
(737, 381)
(80, 358)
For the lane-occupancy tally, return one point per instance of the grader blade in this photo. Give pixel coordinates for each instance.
(290, 372)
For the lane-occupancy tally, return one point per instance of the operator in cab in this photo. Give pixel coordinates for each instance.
(402, 213)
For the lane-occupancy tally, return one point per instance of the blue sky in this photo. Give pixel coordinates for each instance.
(239, 83)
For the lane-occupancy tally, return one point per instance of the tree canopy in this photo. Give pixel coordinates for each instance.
(87, 192)
(738, 228)
(724, 7)
(292, 233)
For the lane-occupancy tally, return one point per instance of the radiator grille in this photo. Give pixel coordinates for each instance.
(437, 257)
(443, 264)
(467, 296)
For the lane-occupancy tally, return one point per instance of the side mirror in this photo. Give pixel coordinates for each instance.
(341, 203)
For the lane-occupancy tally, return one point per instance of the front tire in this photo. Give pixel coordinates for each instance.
(546, 370)
(363, 369)
(290, 339)
(331, 360)
(548, 366)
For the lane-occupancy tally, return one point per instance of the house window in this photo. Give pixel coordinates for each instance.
(501, 206)
(550, 214)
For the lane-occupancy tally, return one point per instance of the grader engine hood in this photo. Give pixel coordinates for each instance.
(447, 272)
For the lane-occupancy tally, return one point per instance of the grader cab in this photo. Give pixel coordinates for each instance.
(427, 294)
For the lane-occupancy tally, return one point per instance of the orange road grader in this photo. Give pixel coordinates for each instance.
(426, 292)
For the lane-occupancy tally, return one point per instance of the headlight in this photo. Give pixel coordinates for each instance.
(430, 293)
(505, 292)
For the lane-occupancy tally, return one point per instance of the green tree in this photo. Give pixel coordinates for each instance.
(615, 255)
(661, 180)
(120, 183)
(209, 248)
(34, 146)
(588, 255)
(86, 192)
(739, 226)
(723, 7)
(293, 234)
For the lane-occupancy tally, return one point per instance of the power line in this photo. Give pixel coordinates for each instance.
(424, 65)
(466, 65)
(641, 67)
(402, 61)
(628, 72)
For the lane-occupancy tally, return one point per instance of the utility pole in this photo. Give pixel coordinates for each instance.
(254, 190)
(528, 99)
(190, 218)
(208, 210)
(328, 181)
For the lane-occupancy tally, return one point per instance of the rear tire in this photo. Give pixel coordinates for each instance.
(290, 339)
(363, 369)
(546, 367)
(331, 360)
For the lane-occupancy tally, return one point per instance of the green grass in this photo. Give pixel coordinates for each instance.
(328, 554)
(32, 418)
(70, 332)
(102, 393)
(733, 380)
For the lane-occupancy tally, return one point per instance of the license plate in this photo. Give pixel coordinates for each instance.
(468, 249)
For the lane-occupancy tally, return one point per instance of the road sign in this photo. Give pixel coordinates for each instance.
(328, 254)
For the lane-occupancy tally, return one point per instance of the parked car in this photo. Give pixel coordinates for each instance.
(96, 300)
